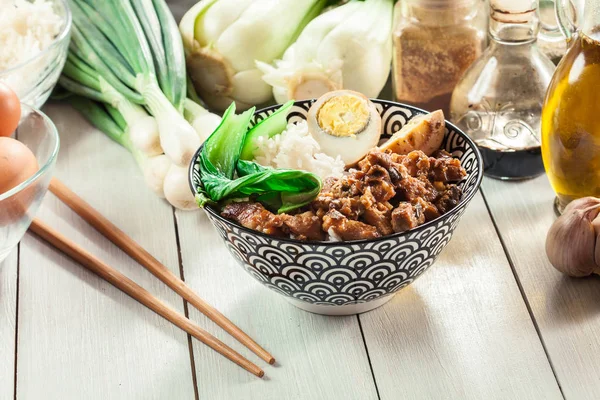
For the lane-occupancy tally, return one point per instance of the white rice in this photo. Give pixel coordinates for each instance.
(26, 29)
(295, 148)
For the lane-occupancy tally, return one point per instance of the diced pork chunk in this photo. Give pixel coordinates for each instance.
(305, 226)
(406, 216)
(254, 216)
(347, 229)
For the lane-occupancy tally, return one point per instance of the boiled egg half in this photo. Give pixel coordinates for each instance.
(345, 124)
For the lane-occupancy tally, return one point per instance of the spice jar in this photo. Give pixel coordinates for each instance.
(435, 41)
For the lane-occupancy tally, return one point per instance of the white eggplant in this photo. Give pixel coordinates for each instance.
(224, 38)
(348, 47)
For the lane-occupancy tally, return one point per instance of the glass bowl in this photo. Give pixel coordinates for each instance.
(34, 79)
(19, 205)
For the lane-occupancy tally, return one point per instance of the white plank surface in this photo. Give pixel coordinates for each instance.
(567, 310)
(319, 357)
(8, 303)
(80, 338)
(462, 331)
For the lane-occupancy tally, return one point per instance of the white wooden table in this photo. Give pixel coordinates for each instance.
(490, 320)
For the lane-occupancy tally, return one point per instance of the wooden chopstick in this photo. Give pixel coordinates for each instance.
(138, 253)
(138, 293)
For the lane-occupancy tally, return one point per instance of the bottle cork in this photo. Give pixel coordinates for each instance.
(513, 11)
(442, 4)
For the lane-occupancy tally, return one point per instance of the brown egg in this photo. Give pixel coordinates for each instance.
(17, 163)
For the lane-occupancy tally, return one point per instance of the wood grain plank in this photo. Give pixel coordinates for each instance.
(462, 331)
(8, 306)
(79, 337)
(566, 310)
(318, 357)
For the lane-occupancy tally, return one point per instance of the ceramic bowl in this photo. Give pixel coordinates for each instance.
(341, 278)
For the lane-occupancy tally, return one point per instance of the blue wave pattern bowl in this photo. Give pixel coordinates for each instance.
(342, 278)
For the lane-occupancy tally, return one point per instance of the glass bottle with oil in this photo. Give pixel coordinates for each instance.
(571, 112)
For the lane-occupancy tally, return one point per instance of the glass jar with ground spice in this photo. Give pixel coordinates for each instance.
(435, 41)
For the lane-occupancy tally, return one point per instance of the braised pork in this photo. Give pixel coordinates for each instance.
(387, 193)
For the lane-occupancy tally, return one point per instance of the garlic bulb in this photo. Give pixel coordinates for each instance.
(571, 245)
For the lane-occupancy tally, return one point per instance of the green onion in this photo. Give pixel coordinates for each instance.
(112, 124)
(80, 46)
(176, 59)
(116, 116)
(101, 119)
(151, 26)
(126, 71)
(127, 53)
(164, 39)
(203, 121)
(143, 129)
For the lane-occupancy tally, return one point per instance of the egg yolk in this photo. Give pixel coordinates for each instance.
(343, 116)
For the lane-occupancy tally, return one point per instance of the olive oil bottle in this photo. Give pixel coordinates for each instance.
(571, 121)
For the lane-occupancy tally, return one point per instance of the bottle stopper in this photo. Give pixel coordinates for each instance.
(513, 11)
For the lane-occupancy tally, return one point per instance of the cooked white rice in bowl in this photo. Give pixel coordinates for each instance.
(295, 148)
(26, 29)
(34, 39)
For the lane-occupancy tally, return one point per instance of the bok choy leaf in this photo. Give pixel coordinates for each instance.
(268, 127)
(225, 177)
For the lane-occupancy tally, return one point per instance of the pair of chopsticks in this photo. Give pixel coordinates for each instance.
(120, 281)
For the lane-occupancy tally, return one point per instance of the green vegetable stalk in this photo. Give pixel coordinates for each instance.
(133, 45)
(225, 176)
(268, 128)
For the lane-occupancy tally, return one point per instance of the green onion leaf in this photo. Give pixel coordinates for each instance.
(173, 45)
(99, 117)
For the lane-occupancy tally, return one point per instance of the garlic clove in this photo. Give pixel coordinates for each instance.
(596, 225)
(571, 242)
(597, 257)
(569, 245)
(582, 203)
